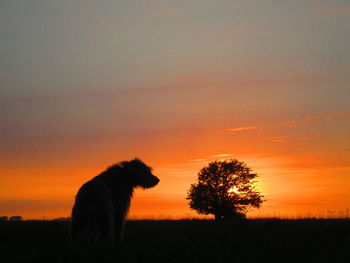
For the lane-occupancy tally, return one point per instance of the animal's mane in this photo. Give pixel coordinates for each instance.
(116, 168)
(113, 169)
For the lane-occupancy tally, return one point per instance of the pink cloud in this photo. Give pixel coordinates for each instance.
(245, 128)
(320, 117)
(277, 139)
(280, 139)
(232, 130)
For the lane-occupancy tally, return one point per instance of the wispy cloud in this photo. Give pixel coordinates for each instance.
(281, 139)
(291, 124)
(222, 155)
(277, 139)
(244, 128)
(327, 116)
(320, 117)
(233, 130)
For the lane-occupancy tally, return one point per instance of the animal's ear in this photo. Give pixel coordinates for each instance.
(136, 162)
(132, 164)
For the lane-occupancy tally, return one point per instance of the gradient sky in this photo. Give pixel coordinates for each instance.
(85, 84)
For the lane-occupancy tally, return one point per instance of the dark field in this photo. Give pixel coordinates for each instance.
(188, 241)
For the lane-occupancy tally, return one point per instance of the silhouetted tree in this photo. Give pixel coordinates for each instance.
(225, 189)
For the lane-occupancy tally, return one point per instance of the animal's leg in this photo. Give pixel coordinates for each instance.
(119, 230)
(105, 227)
(76, 227)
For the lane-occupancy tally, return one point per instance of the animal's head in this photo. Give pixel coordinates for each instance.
(139, 173)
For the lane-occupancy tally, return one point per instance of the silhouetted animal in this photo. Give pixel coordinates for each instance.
(102, 203)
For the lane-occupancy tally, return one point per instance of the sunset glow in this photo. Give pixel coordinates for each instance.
(233, 190)
(178, 84)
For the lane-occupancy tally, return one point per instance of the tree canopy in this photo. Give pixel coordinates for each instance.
(225, 189)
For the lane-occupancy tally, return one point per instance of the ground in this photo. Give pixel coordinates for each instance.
(188, 241)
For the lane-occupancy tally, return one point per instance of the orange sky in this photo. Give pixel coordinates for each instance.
(85, 84)
(303, 169)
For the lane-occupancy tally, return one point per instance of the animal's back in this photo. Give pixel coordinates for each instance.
(93, 211)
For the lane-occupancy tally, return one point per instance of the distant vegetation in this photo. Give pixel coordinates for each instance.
(12, 218)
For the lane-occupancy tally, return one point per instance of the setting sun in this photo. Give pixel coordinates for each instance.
(233, 190)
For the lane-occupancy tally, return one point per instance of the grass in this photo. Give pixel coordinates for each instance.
(188, 241)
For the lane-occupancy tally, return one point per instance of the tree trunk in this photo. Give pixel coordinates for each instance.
(218, 217)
